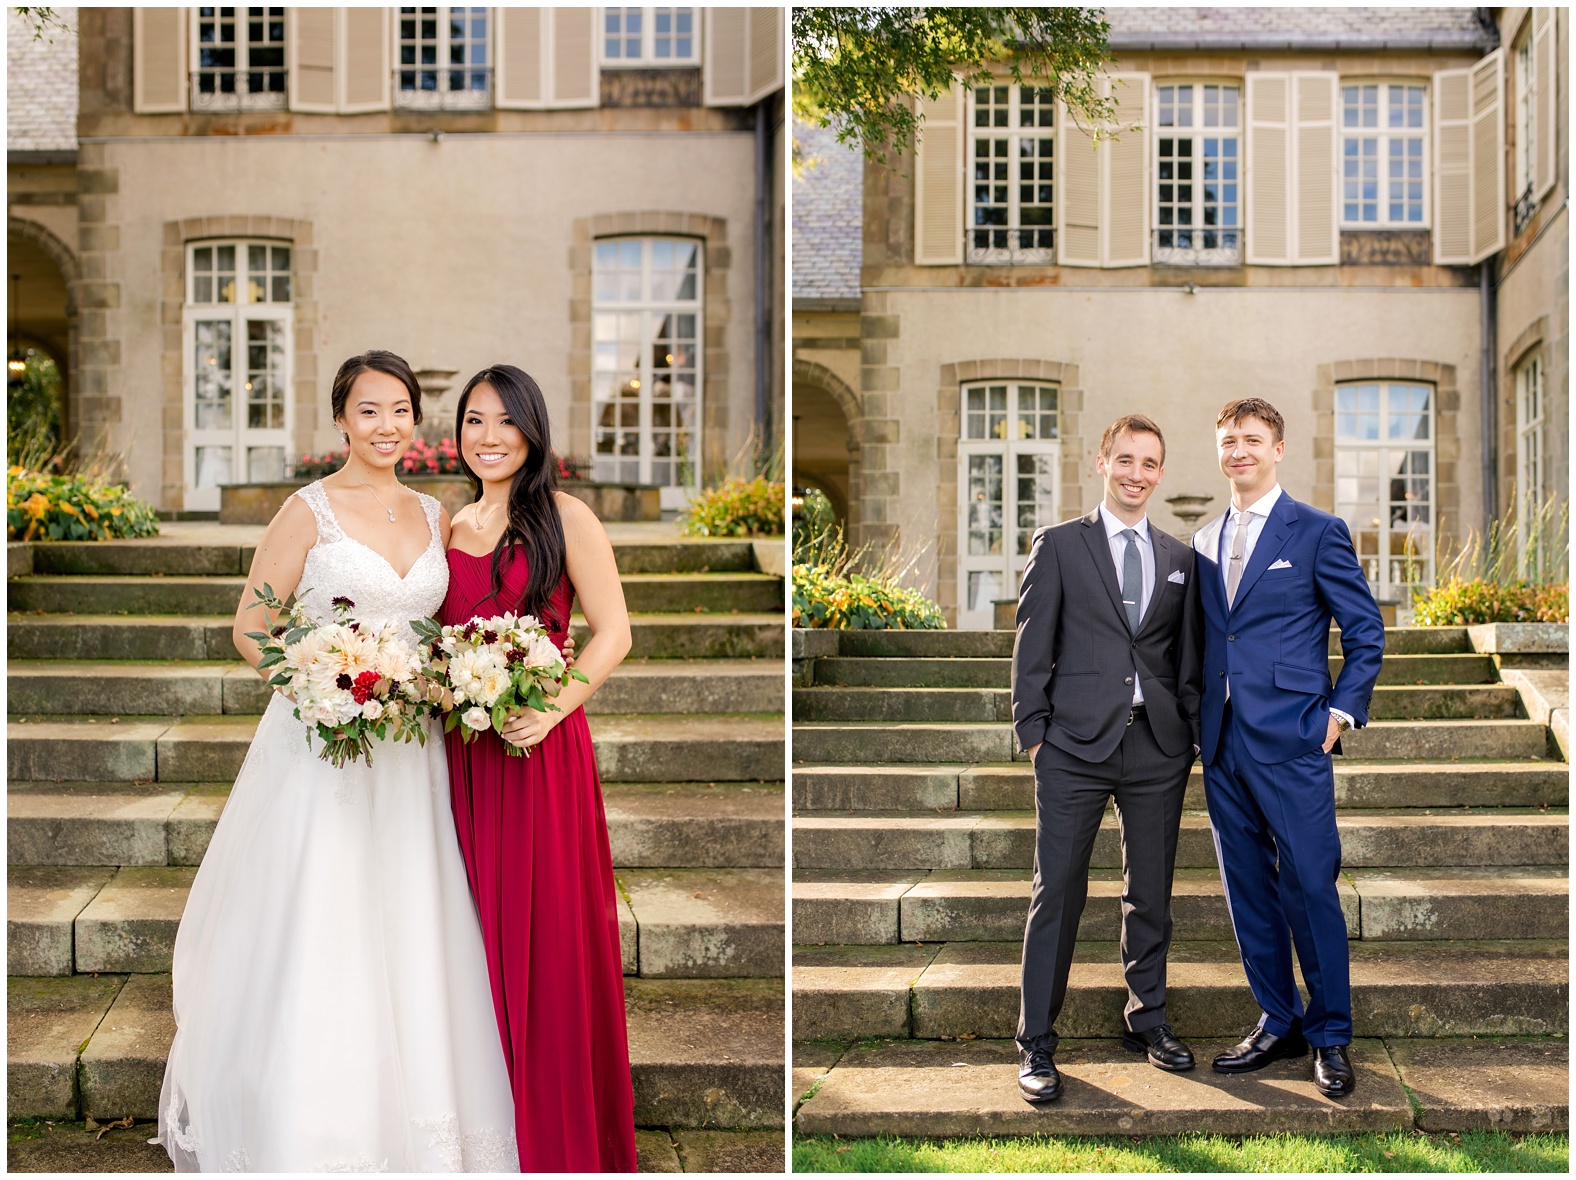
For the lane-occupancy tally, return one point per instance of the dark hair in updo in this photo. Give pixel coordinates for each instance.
(383, 362)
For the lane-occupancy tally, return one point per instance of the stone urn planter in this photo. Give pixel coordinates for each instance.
(256, 503)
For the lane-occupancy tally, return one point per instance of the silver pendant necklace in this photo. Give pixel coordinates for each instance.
(381, 505)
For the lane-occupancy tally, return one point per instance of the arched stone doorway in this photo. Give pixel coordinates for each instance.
(40, 277)
(825, 450)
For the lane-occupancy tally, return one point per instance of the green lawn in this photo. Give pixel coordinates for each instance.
(1398, 1151)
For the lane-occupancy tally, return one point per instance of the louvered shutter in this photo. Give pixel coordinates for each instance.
(520, 58)
(158, 60)
(1452, 167)
(1545, 99)
(310, 52)
(765, 66)
(725, 50)
(1316, 227)
(1124, 187)
(576, 80)
(1268, 164)
(1488, 156)
(365, 61)
(938, 181)
(1078, 197)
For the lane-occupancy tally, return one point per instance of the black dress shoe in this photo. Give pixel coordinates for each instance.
(1161, 1044)
(1332, 1071)
(1038, 1080)
(1259, 1049)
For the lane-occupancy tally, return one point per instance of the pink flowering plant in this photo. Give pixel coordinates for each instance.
(425, 458)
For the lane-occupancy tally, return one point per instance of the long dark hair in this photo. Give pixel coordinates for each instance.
(532, 520)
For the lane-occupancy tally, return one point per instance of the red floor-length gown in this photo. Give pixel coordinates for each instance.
(534, 837)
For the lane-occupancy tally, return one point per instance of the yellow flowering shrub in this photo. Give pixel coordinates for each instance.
(846, 601)
(739, 508)
(42, 507)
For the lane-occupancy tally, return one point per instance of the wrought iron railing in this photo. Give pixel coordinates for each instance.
(1526, 206)
(1196, 246)
(443, 88)
(1009, 247)
(230, 89)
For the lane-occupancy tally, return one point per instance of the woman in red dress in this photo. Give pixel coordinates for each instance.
(532, 828)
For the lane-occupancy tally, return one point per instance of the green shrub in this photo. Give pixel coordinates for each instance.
(41, 507)
(1458, 603)
(738, 508)
(32, 405)
(847, 601)
(813, 516)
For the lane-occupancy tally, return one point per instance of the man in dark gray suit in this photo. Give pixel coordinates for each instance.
(1106, 682)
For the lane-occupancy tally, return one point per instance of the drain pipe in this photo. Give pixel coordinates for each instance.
(762, 280)
(1490, 396)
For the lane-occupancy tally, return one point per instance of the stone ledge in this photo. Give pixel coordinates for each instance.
(1519, 638)
(813, 643)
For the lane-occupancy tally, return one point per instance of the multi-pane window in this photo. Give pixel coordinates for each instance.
(1384, 141)
(444, 60)
(1526, 132)
(237, 379)
(1532, 488)
(1198, 161)
(650, 36)
(238, 59)
(645, 364)
(1384, 483)
(1008, 476)
(1012, 166)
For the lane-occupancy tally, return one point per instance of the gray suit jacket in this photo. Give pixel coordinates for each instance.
(1075, 656)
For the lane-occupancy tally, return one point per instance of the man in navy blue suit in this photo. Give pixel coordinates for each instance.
(1272, 573)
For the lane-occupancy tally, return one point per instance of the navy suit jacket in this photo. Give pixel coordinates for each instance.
(1273, 642)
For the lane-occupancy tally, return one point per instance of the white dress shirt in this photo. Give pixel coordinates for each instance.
(1146, 556)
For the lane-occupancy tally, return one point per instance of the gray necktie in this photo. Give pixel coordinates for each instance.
(1132, 579)
(1239, 543)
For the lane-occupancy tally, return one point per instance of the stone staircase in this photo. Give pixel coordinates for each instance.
(130, 713)
(913, 847)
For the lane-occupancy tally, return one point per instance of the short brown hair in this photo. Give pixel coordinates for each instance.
(1131, 424)
(379, 360)
(1253, 407)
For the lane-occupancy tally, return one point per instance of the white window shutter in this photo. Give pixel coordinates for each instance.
(765, 65)
(1453, 167)
(1488, 156)
(520, 64)
(576, 79)
(1316, 239)
(938, 181)
(158, 67)
(366, 68)
(1546, 156)
(310, 54)
(1268, 169)
(1124, 188)
(1078, 197)
(724, 58)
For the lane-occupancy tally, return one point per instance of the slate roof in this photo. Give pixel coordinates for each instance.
(828, 204)
(41, 85)
(1328, 29)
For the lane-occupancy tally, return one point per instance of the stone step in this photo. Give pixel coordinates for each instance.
(173, 557)
(702, 1052)
(908, 742)
(650, 825)
(195, 595)
(934, 1090)
(1005, 840)
(964, 989)
(965, 672)
(1010, 786)
(1400, 702)
(163, 688)
(674, 923)
(201, 749)
(871, 906)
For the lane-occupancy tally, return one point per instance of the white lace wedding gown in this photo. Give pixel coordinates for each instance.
(331, 991)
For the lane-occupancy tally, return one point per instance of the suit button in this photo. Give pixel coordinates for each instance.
(1231, 639)
(1129, 680)
(1222, 675)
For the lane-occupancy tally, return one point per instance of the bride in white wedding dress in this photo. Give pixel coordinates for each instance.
(331, 993)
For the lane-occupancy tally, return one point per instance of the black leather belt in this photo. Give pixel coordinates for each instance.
(1135, 712)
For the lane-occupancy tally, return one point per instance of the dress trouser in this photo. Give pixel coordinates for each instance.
(1070, 798)
(1280, 860)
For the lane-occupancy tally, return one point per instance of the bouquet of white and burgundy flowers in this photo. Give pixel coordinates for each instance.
(351, 681)
(482, 670)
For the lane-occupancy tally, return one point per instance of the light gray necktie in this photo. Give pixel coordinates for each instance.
(1239, 544)
(1132, 579)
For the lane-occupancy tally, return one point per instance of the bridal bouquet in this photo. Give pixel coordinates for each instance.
(351, 681)
(482, 670)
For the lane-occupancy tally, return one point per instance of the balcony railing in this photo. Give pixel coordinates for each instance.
(1194, 246)
(1009, 247)
(443, 88)
(1526, 206)
(229, 89)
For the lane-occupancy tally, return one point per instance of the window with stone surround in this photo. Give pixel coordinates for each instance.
(444, 59)
(650, 37)
(647, 310)
(237, 329)
(1526, 112)
(1198, 174)
(1385, 482)
(1531, 474)
(1384, 155)
(1012, 165)
(1009, 479)
(238, 59)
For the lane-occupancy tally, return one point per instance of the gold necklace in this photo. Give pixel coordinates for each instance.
(481, 521)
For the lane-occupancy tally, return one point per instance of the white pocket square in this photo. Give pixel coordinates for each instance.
(1282, 564)
(1177, 577)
